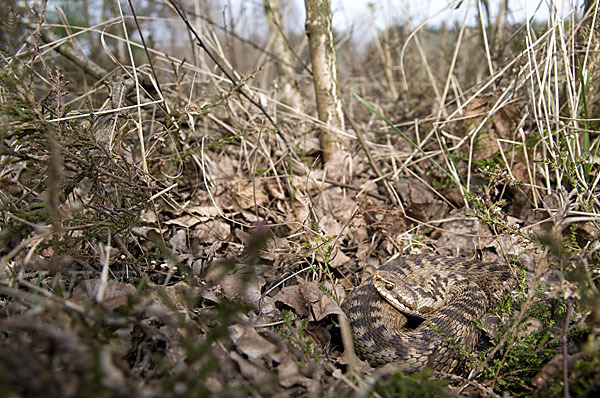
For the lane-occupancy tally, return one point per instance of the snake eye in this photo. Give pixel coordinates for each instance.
(389, 286)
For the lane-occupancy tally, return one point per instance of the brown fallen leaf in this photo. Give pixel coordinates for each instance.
(241, 281)
(251, 343)
(248, 194)
(186, 221)
(250, 370)
(510, 245)
(354, 362)
(179, 294)
(115, 293)
(460, 236)
(179, 241)
(275, 189)
(330, 226)
(491, 324)
(268, 310)
(555, 367)
(205, 212)
(275, 249)
(308, 300)
(341, 165)
(291, 296)
(339, 259)
(321, 304)
(501, 124)
(358, 233)
(390, 221)
(420, 201)
(211, 231)
(289, 374)
(112, 376)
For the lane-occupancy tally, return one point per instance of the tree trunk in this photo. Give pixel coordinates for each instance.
(290, 93)
(322, 53)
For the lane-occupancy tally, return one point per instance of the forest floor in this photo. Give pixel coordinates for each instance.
(185, 239)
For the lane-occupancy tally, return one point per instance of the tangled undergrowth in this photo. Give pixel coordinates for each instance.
(161, 235)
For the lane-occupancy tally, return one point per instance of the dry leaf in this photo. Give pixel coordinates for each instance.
(459, 236)
(420, 201)
(501, 124)
(355, 362)
(339, 205)
(275, 248)
(339, 259)
(180, 293)
(223, 167)
(211, 231)
(249, 194)
(249, 370)
(148, 216)
(321, 304)
(205, 212)
(186, 221)
(330, 226)
(341, 165)
(275, 189)
(242, 281)
(358, 233)
(115, 293)
(268, 310)
(179, 241)
(253, 345)
(554, 367)
(291, 296)
(532, 325)
(508, 245)
(289, 374)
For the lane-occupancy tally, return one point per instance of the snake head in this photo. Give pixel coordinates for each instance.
(400, 294)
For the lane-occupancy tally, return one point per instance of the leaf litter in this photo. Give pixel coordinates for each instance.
(230, 282)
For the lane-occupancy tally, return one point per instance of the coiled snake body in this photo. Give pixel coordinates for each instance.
(447, 294)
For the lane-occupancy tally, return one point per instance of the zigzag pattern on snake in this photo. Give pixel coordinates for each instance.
(447, 293)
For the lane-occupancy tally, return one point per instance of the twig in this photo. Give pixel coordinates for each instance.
(73, 55)
(237, 84)
(98, 72)
(391, 194)
(355, 188)
(565, 339)
(105, 269)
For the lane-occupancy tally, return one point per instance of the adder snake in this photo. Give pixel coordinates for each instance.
(447, 294)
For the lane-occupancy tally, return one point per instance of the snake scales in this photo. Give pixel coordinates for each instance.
(447, 294)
